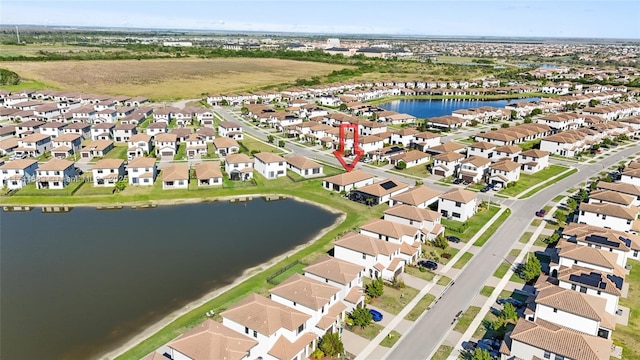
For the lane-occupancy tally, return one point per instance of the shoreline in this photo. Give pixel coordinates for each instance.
(246, 274)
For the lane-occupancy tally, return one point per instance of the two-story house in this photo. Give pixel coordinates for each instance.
(16, 174)
(196, 145)
(427, 220)
(53, 129)
(342, 274)
(139, 146)
(446, 164)
(533, 161)
(142, 171)
(82, 129)
(106, 172)
(379, 258)
(33, 145)
(458, 204)
(102, 131)
(238, 167)
(270, 165)
(55, 174)
(123, 132)
(503, 172)
(418, 196)
(96, 148)
(230, 129)
(166, 145)
(474, 168)
(608, 216)
(481, 148)
(66, 145)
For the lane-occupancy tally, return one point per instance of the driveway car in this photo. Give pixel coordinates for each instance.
(516, 303)
(453, 239)
(375, 315)
(428, 264)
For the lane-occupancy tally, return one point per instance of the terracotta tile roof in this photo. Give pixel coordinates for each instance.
(413, 213)
(477, 161)
(574, 302)
(355, 295)
(340, 271)
(505, 165)
(574, 273)
(238, 158)
(417, 195)
(212, 341)
(310, 293)
(229, 125)
(99, 145)
(582, 232)
(108, 164)
(55, 165)
(610, 210)
(624, 188)
(612, 197)
(560, 340)
(426, 135)
(448, 157)
(586, 254)
(535, 153)
(284, 349)
(411, 155)
(265, 315)
(141, 162)
(447, 147)
(389, 228)
(154, 356)
(395, 264)
(35, 137)
(301, 162)
(367, 244)
(509, 149)
(482, 145)
(382, 188)
(18, 164)
(268, 157)
(459, 195)
(175, 172)
(164, 137)
(225, 142)
(406, 132)
(208, 170)
(349, 177)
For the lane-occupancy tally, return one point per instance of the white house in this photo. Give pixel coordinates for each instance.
(123, 132)
(230, 129)
(411, 158)
(446, 164)
(348, 181)
(593, 283)
(34, 145)
(196, 145)
(16, 174)
(342, 274)
(102, 131)
(428, 221)
(55, 174)
(511, 152)
(627, 189)
(211, 337)
(66, 145)
(418, 196)
(175, 176)
(270, 165)
(239, 167)
(474, 168)
(53, 129)
(208, 173)
(404, 136)
(139, 145)
(610, 197)
(378, 192)
(156, 128)
(481, 148)
(303, 166)
(623, 245)
(424, 140)
(106, 172)
(166, 145)
(608, 216)
(631, 176)
(142, 171)
(504, 172)
(379, 258)
(571, 254)
(225, 145)
(459, 204)
(96, 148)
(78, 128)
(533, 160)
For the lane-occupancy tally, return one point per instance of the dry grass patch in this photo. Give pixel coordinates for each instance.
(165, 79)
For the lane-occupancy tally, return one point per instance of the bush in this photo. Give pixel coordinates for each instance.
(331, 344)
(361, 317)
(317, 354)
(446, 255)
(375, 289)
(401, 165)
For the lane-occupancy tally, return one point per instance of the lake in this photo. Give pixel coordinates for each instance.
(75, 285)
(433, 108)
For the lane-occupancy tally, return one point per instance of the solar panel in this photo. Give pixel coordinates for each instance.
(601, 240)
(592, 279)
(625, 241)
(616, 280)
(603, 285)
(388, 185)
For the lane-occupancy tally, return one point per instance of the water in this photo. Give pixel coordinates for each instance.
(76, 285)
(433, 108)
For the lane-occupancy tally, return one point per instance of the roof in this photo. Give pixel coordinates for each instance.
(225, 142)
(447, 147)
(384, 187)
(67, 137)
(55, 165)
(310, 293)
(534, 153)
(505, 165)
(574, 302)
(301, 162)
(389, 228)
(477, 161)
(620, 187)
(614, 238)
(586, 254)
(265, 315)
(411, 155)
(611, 210)
(108, 164)
(284, 349)
(175, 172)
(413, 213)
(212, 341)
(141, 162)
(164, 137)
(560, 340)
(237, 158)
(18, 164)
(349, 178)
(208, 170)
(459, 195)
(340, 271)
(97, 145)
(417, 195)
(366, 244)
(229, 125)
(612, 197)
(597, 280)
(482, 145)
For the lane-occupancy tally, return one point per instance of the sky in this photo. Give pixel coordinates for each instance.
(512, 18)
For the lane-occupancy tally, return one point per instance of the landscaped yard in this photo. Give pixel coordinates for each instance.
(420, 307)
(368, 332)
(501, 271)
(487, 290)
(463, 260)
(474, 224)
(527, 181)
(444, 280)
(558, 198)
(627, 336)
(249, 144)
(435, 253)
(413, 271)
(118, 152)
(560, 177)
(525, 237)
(465, 320)
(31, 190)
(418, 171)
(393, 300)
(390, 339)
(295, 269)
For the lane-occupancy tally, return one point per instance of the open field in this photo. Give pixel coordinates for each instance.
(37, 50)
(166, 79)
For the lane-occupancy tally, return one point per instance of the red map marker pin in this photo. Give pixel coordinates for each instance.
(339, 154)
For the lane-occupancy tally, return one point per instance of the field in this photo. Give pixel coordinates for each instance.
(167, 79)
(37, 50)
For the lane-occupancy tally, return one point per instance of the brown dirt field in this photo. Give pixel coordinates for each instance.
(168, 79)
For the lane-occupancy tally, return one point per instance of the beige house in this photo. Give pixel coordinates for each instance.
(303, 166)
(208, 173)
(175, 176)
(348, 181)
(215, 340)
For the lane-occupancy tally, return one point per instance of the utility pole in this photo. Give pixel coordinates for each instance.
(17, 34)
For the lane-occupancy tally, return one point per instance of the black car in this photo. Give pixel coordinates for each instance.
(516, 303)
(457, 181)
(428, 264)
(486, 188)
(453, 239)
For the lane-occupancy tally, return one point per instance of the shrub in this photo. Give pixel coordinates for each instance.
(375, 289)
(317, 354)
(446, 255)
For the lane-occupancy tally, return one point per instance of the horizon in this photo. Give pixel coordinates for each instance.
(450, 18)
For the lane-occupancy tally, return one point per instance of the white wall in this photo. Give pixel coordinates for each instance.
(611, 222)
(566, 319)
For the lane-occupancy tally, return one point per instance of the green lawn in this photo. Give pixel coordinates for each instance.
(536, 222)
(181, 152)
(558, 198)
(434, 253)
(627, 336)
(514, 252)
(390, 339)
(369, 332)
(420, 307)
(492, 228)
(525, 237)
(465, 320)
(529, 180)
(295, 269)
(442, 353)
(560, 177)
(249, 144)
(31, 191)
(487, 290)
(417, 171)
(540, 241)
(413, 271)
(463, 260)
(501, 271)
(393, 300)
(88, 190)
(444, 281)
(473, 225)
(118, 152)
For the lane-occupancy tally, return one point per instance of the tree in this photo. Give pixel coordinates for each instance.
(535, 112)
(244, 110)
(560, 216)
(440, 242)
(594, 102)
(375, 289)
(527, 119)
(572, 204)
(331, 344)
(509, 313)
(401, 165)
(582, 195)
(281, 143)
(514, 114)
(271, 139)
(120, 185)
(361, 316)
(343, 107)
(531, 269)
(481, 354)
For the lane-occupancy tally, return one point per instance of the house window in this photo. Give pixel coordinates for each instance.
(573, 286)
(582, 212)
(599, 292)
(604, 217)
(456, 215)
(635, 253)
(575, 261)
(583, 289)
(559, 357)
(246, 330)
(547, 355)
(295, 303)
(364, 256)
(555, 310)
(255, 334)
(301, 328)
(458, 204)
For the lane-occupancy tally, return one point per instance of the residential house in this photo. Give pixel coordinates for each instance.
(424, 140)
(447, 147)
(511, 152)
(623, 188)
(214, 340)
(348, 181)
(342, 274)
(226, 145)
(28, 127)
(196, 145)
(166, 146)
(533, 161)
(239, 167)
(156, 128)
(446, 164)
(624, 245)
(16, 174)
(270, 165)
(123, 132)
(631, 176)
(303, 166)
(96, 148)
(208, 173)
(503, 172)
(378, 192)
(66, 145)
(570, 254)
(103, 131)
(53, 129)
(379, 258)
(142, 171)
(55, 174)
(447, 122)
(175, 176)
(418, 196)
(404, 136)
(82, 129)
(610, 197)
(593, 283)
(458, 204)
(608, 216)
(139, 145)
(106, 172)
(33, 145)
(231, 130)
(208, 134)
(410, 158)
(481, 148)
(474, 168)
(427, 220)
(8, 146)
(7, 132)
(408, 237)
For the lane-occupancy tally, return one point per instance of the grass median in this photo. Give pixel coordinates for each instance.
(486, 235)
(527, 181)
(465, 320)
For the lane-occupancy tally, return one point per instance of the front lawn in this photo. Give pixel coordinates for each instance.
(420, 307)
(442, 353)
(437, 254)
(560, 177)
(527, 181)
(369, 332)
(465, 320)
(444, 281)
(250, 144)
(417, 171)
(463, 260)
(487, 290)
(118, 152)
(390, 339)
(31, 190)
(393, 300)
(486, 235)
(466, 230)
(501, 271)
(525, 237)
(414, 271)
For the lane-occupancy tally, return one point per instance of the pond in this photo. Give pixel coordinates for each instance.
(432, 108)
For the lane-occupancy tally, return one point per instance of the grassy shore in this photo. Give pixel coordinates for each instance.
(457, 97)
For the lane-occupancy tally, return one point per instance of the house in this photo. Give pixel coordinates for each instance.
(418, 196)
(631, 176)
(503, 172)
(571, 254)
(608, 216)
(610, 197)
(166, 145)
(230, 129)
(196, 145)
(342, 274)
(270, 165)
(533, 160)
(175, 176)
(33, 145)
(447, 147)
(225, 145)
(424, 140)
(7, 132)
(8, 146)
(106, 172)
(270, 323)
(208, 134)
(123, 132)
(348, 181)
(78, 128)
(16, 174)
(379, 258)
(623, 188)
(142, 171)
(427, 220)
(481, 148)
(96, 148)
(205, 116)
(404, 136)
(312, 297)
(446, 164)
(458, 204)
(156, 128)
(303, 166)
(623, 245)
(447, 122)
(593, 283)
(473, 169)
(239, 167)
(102, 131)
(55, 174)
(208, 173)
(28, 127)
(66, 145)
(139, 145)
(511, 152)
(410, 158)
(544, 340)
(214, 340)
(53, 129)
(378, 192)
(408, 237)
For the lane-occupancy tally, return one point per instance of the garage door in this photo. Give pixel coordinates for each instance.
(468, 178)
(439, 172)
(166, 153)
(85, 155)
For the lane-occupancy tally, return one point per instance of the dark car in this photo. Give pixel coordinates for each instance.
(541, 213)
(516, 303)
(453, 239)
(486, 188)
(469, 345)
(375, 315)
(428, 264)
(489, 344)
(457, 181)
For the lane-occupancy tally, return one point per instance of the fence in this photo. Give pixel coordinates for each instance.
(282, 270)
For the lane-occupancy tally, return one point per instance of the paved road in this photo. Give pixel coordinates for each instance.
(429, 331)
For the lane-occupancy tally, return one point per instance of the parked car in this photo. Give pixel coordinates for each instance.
(515, 302)
(375, 315)
(453, 239)
(487, 188)
(469, 345)
(457, 181)
(497, 187)
(489, 344)
(428, 264)
(541, 213)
